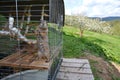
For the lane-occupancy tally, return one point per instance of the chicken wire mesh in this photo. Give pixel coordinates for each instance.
(30, 39)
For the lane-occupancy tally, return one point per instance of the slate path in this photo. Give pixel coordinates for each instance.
(75, 69)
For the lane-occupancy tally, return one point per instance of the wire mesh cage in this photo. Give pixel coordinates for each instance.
(30, 39)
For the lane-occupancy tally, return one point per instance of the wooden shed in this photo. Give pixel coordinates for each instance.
(30, 39)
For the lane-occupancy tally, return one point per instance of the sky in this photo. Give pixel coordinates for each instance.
(93, 8)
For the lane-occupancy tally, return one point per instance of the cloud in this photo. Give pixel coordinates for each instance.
(101, 8)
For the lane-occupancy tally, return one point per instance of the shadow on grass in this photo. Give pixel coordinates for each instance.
(76, 46)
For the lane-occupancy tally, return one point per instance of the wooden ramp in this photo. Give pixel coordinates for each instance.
(75, 69)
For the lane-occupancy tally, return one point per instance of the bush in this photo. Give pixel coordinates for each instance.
(2, 19)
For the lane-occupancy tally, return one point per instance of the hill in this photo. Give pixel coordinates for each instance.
(99, 49)
(106, 46)
(110, 18)
(115, 27)
(107, 18)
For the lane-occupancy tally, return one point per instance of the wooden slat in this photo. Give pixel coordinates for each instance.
(74, 60)
(75, 69)
(24, 61)
(15, 57)
(6, 58)
(74, 76)
(75, 65)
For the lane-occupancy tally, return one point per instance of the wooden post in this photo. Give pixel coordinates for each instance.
(28, 19)
(23, 18)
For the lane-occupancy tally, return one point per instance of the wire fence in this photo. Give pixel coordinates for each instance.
(30, 39)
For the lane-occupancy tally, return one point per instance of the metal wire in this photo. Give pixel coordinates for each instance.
(18, 38)
(53, 10)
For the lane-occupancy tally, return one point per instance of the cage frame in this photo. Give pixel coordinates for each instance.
(56, 16)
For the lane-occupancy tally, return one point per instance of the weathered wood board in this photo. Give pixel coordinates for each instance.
(28, 61)
(75, 69)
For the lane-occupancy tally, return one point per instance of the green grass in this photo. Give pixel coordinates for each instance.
(7, 46)
(103, 45)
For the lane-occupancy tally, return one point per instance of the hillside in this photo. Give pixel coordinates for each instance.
(100, 49)
(111, 18)
(103, 45)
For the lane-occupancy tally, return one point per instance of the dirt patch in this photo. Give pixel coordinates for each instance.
(102, 70)
(117, 66)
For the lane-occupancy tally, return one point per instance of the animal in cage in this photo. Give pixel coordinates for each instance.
(41, 33)
(30, 36)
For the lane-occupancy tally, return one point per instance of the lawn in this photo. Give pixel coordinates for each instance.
(103, 45)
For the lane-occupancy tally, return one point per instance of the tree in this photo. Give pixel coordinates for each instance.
(78, 21)
(84, 23)
(115, 25)
(81, 22)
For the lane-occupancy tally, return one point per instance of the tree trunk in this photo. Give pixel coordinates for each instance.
(81, 32)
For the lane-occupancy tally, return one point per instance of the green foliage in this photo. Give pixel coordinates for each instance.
(85, 23)
(115, 78)
(78, 21)
(8, 47)
(2, 19)
(115, 25)
(103, 45)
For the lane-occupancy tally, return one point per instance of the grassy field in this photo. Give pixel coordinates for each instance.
(99, 49)
(103, 45)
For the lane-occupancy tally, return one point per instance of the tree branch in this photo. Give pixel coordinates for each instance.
(16, 32)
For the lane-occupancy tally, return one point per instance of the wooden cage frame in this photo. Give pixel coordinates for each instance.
(32, 9)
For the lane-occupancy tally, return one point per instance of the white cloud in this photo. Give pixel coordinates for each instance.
(101, 8)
